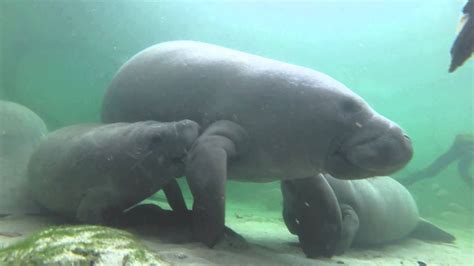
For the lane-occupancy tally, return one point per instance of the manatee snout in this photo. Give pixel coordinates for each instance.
(187, 132)
(384, 154)
(378, 147)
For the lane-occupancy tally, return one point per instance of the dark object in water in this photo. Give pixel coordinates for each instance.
(265, 120)
(421, 263)
(374, 211)
(462, 151)
(170, 225)
(463, 46)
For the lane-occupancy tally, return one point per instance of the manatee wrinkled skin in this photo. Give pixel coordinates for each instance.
(21, 131)
(264, 120)
(92, 172)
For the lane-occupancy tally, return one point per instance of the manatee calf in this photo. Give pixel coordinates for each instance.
(265, 120)
(21, 131)
(369, 211)
(92, 173)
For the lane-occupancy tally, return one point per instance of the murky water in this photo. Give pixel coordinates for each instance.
(58, 57)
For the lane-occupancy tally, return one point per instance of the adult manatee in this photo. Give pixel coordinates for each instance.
(266, 120)
(91, 172)
(21, 131)
(369, 211)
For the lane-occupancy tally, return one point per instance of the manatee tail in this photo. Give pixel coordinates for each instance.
(430, 232)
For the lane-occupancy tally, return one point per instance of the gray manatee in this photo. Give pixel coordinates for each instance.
(265, 120)
(91, 172)
(21, 131)
(370, 211)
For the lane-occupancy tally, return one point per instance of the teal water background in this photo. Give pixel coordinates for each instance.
(57, 58)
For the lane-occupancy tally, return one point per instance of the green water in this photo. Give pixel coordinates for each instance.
(57, 58)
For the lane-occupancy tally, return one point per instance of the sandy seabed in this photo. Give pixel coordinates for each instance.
(271, 244)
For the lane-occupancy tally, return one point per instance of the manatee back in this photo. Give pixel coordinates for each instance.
(205, 83)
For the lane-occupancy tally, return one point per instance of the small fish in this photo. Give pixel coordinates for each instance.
(10, 234)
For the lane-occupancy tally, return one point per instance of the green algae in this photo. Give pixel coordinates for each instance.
(79, 245)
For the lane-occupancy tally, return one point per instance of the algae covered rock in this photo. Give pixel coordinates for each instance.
(79, 245)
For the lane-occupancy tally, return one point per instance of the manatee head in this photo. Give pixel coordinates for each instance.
(368, 144)
(161, 146)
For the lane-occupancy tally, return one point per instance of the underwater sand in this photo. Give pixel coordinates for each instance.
(271, 244)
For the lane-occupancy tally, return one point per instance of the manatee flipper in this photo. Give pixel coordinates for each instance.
(171, 227)
(149, 214)
(97, 206)
(311, 211)
(175, 198)
(206, 173)
(430, 232)
(350, 226)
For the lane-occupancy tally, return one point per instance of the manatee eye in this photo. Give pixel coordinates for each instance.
(350, 106)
